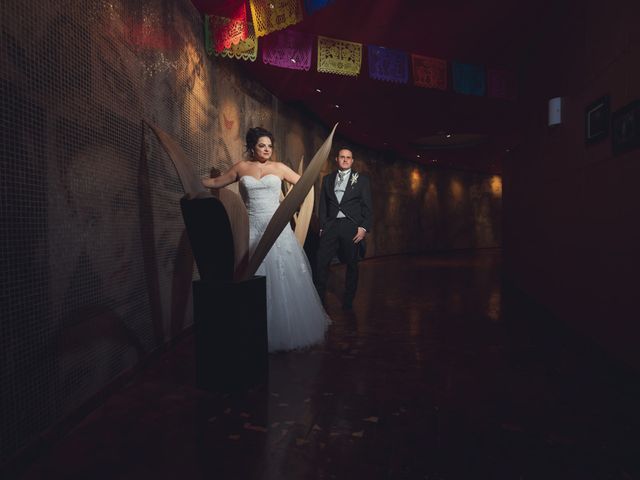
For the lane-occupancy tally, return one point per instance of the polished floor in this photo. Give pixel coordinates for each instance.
(440, 372)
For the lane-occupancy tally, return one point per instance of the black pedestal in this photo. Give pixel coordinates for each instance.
(210, 236)
(230, 323)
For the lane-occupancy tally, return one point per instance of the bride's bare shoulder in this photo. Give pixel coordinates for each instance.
(278, 166)
(242, 165)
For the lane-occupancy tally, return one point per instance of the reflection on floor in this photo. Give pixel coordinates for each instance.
(439, 372)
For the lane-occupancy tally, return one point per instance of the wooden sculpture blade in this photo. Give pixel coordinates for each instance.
(193, 188)
(190, 182)
(303, 217)
(239, 220)
(289, 205)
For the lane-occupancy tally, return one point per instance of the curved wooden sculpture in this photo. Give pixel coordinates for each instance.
(288, 206)
(191, 184)
(239, 219)
(233, 204)
(303, 217)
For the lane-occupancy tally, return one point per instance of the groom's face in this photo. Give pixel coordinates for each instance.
(344, 159)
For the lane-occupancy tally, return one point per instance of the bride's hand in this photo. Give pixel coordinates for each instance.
(213, 173)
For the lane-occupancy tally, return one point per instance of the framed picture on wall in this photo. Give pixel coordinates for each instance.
(596, 121)
(625, 128)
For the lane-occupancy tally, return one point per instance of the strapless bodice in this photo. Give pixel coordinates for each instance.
(260, 195)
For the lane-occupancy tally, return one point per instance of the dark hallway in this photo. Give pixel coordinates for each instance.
(499, 139)
(440, 372)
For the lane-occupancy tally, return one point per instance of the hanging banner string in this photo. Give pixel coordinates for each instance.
(271, 15)
(429, 72)
(226, 32)
(387, 64)
(293, 50)
(468, 79)
(246, 49)
(287, 49)
(339, 56)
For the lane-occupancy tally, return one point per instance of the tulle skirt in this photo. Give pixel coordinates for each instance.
(295, 315)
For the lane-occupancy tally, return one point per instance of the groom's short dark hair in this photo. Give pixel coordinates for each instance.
(345, 148)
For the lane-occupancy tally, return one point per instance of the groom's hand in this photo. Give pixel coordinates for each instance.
(360, 235)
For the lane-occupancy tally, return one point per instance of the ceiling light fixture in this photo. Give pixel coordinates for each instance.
(318, 90)
(448, 135)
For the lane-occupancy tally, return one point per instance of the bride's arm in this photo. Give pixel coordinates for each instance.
(288, 174)
(223, 180)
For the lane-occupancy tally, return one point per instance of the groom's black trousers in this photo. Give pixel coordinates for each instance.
(337, 238)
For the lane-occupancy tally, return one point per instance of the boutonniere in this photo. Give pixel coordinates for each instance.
(354, 179)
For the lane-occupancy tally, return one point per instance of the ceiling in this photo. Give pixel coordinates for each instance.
(398, 118)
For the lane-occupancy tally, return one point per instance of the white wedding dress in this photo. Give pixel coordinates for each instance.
(295, 316)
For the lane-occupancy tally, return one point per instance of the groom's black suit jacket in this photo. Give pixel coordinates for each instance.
(355, 204)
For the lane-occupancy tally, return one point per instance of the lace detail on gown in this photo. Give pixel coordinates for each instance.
(295, 316)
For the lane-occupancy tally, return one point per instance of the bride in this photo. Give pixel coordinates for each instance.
(295, 316)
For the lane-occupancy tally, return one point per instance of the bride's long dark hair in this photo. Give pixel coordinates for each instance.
(253, 134)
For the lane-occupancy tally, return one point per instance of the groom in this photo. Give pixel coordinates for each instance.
(345, 215)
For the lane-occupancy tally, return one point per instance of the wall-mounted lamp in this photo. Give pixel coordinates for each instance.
(555, 111)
